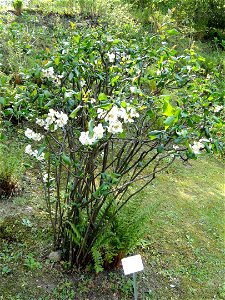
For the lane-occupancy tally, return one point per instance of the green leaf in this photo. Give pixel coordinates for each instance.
(160, 148)
(155, 134)
(2, 136)
(75, 111)
(49, 64)
(114, 80)
(46, 156)
(106, 106)
(168, 109)
(123, 104)
(57, 60)
(169, 121)
(8, 111)
(76, 38)
(102, 97)
(91, 127)
(66, 159)
(41, 149)
(207, 148)
(172, 32)
(71, 75)
(2, 101)
(26, 165)
(34, 93)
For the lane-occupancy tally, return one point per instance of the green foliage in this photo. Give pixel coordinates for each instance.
(204, 14)
(18, 4)
(121, 237)
(31, 263)
(11, 169)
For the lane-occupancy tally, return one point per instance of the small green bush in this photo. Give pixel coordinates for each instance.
(18, 4)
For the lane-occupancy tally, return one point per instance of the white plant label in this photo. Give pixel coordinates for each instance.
(132, 264)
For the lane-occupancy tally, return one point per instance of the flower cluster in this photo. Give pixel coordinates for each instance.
(29, 151)
(88, 139)
(54, 119)
(30, 134)
(113, 125)
(197, 146)
(49, 73)
(218, 108)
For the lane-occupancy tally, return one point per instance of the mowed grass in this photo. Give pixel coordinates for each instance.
(184, 247)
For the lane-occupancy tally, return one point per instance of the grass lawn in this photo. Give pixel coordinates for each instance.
(186, 231)
(183, 250)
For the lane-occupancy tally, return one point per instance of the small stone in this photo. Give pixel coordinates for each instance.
(55, 256)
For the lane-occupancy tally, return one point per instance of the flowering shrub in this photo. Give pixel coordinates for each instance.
(108, 113)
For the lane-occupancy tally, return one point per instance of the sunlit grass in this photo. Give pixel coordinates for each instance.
(186, 231)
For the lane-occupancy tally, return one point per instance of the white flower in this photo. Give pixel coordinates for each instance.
(196, 147)
(93, 100)
(122, 113)
(101, 113)
(85, 139)
(40, 122)
(98, 132)
(175, 147)
(51, 113)
(113, 114)
(61, 119)
(128, 115)
(37, 137)
(115, 127)
(28, 150)
(111, 56)
(131, 112)
(218, 108)
(50, 119)
(41, 156)
(47, 178)
(48, 72)
(125, 56)
(30, 134)
(202, 140)
(189, 68)
(38, 157)
(68, 94)
(133, 89)
(82, 83)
